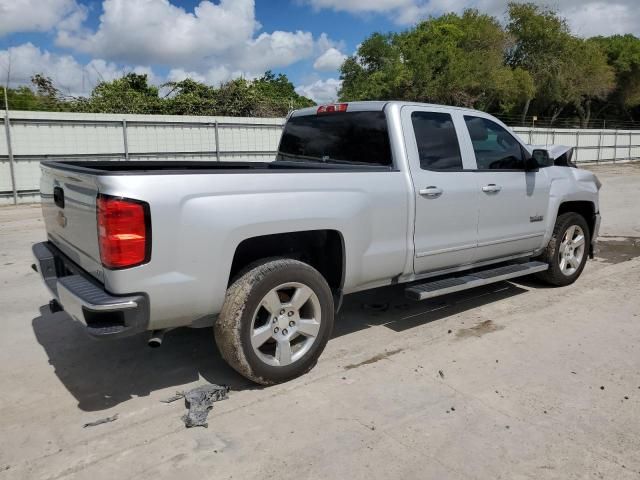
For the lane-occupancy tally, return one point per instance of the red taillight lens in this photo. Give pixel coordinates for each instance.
(336, 107)
(123, 232)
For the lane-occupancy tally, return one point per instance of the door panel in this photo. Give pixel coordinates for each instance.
(512, 202)
(446, 213)
(511, 220)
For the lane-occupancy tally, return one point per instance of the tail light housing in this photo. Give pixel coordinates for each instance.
(124, 232)
(333, 108)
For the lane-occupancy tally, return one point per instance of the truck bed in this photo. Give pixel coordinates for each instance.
(137, 167)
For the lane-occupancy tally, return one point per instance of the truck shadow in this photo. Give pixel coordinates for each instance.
(389, 307)
(101, 374)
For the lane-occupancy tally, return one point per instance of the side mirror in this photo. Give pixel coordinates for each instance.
(541, 157)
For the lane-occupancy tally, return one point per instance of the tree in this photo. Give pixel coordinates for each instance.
(188, 97)
(128, 94)
(623, 55)
(453, 59)
(589, 79)
(541, 47)
(267, 96)
(280, 93)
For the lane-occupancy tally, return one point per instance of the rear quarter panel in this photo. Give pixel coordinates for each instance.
(198, 220)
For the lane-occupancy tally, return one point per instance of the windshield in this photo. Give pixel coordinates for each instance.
(351, 137)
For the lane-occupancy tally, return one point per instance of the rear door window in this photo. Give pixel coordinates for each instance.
(437, 141)
(360, 138)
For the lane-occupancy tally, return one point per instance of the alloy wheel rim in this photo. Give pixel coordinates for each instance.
(571, 250)
(286, 324)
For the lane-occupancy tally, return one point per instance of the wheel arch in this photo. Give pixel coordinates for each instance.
(586, 209)
(323, 249)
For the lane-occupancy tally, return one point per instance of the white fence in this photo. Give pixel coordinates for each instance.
(36, 136)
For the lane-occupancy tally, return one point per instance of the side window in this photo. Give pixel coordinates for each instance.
(494, 146)
(437, 141)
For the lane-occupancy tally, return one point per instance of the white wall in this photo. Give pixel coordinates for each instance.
(41, 135)
(591, 145)
(36, 136)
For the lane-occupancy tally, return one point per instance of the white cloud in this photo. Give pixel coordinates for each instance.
(70, 76)
(586, 17)
(39, 15)
(361, 5)
(214, 41)
(321, 91)
(604, 18)
(329, 60)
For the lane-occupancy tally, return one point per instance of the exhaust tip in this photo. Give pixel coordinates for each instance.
(156, 338)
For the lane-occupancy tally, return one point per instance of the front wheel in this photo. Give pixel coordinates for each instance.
(275, 321)
(567, 250)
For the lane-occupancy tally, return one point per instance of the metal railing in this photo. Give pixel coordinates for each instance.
(31, 137)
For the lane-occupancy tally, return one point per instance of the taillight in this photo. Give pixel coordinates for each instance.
(334, 108)
(124, 232)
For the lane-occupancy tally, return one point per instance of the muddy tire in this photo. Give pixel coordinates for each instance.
(567, 250)
(276, 320)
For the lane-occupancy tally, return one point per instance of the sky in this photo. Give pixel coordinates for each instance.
(81, 42)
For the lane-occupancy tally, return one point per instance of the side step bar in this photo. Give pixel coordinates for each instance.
(436, 288)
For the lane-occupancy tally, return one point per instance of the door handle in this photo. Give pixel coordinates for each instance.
(491, 188)
(431, 191)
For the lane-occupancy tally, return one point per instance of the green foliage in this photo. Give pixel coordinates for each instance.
(623, 54)
(128, 94)
(267, 96)
(532, 65)
(453, 59)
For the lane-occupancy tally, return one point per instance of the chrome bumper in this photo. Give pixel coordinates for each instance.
(85, 300)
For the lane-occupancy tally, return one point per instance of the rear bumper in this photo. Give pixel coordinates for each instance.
(103, 314)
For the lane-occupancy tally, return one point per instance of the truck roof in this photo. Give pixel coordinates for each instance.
(376, 105)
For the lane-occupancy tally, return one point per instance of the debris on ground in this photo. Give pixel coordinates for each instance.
(200, 400)
(101, 421)
(441, 373)
(173, 398)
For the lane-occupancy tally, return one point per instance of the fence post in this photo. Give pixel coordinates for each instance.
(599, 147)
(577, 145)
(217, 141)
(630, 142)
(615, 146)
(125, 140)
(7, 129)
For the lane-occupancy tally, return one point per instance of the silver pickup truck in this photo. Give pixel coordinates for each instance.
(360, 195)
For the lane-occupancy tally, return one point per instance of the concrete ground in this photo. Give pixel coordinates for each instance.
(511, 381)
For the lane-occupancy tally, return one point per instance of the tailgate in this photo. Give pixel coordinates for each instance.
(69, 211)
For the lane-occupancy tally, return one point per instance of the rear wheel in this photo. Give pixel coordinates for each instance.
(276, 320)
(567, 250)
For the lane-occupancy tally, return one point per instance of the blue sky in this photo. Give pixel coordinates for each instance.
(80, 42)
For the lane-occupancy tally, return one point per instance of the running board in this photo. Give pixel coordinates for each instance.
(436, 288)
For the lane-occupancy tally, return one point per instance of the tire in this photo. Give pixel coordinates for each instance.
(573, 224)
(265, 303)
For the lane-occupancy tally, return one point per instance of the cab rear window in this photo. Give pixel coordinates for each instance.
(360, 138)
